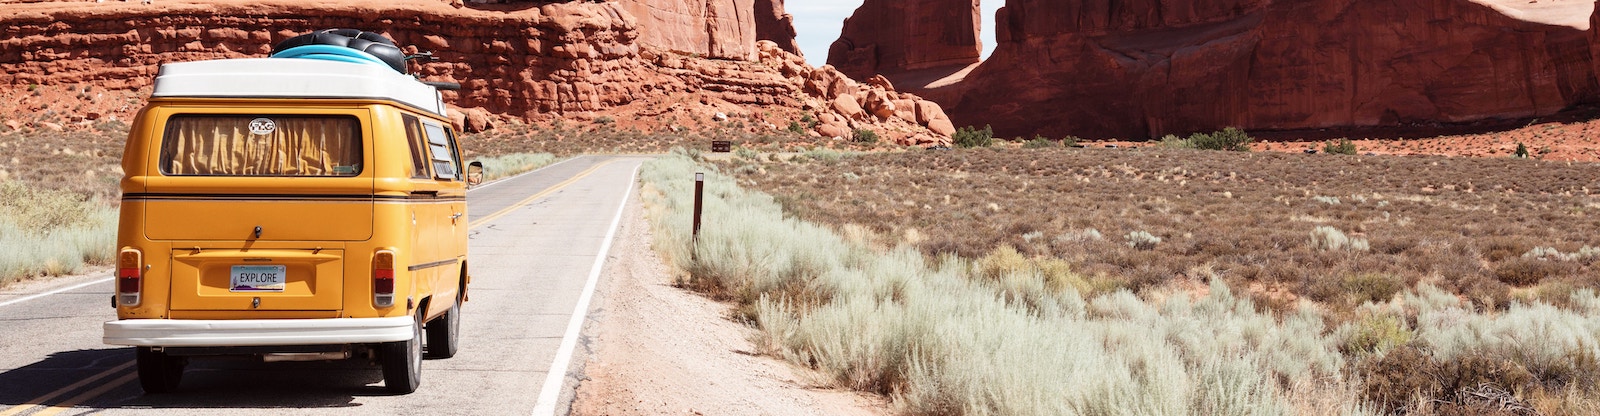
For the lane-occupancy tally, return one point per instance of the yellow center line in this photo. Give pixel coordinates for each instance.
(476, 222)
(52, 410)
(74, 386)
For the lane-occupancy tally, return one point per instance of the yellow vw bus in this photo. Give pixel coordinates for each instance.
(292, 208)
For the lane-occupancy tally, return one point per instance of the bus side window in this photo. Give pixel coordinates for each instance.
(419, 147)
(445, 164)
(455, 151)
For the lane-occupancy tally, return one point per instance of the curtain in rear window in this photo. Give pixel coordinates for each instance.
(261, 145)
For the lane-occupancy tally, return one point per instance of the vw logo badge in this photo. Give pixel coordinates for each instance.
(262, 126)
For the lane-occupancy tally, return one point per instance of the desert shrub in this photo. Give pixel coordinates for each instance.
(1343, 147)
(1070, 141)
(1231, 139)
(1484, 291)
(1073, 236)
(1558, 293)
(1373, 332)
(1039, 142)
(1371, 287)
(1522, 151)
(1526, 272)
(866, 136)
(604, 120)
(1327, 238)
(1393, 381)
(1173, 141)
(747, 153)
(496, 167)
(796, 128)
(972, 137)
(1585, 254)
(1466, 384)
(1498, 248)
(824, 155)
(1142, 240)
(1556, 347)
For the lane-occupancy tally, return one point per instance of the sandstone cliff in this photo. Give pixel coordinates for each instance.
(1144, 68)
(559, 59)
(713, 28)
(894, 36)
(776, 25)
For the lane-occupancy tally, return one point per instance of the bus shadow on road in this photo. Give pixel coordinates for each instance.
(63, 376)
(108, 379)
(246, 382)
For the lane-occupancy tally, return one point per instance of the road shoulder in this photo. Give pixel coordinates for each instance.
(656, 349)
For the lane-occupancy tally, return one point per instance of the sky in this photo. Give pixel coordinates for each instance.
(818, 22)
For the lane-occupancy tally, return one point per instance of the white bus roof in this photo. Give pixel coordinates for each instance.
(294, 78)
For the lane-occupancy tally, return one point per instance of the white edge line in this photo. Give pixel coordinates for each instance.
(509, 178)
(64, 289)
(554, 380)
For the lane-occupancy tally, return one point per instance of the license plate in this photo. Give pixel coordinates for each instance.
(258, 278)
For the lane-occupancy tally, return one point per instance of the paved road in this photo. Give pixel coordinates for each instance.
(535, 242)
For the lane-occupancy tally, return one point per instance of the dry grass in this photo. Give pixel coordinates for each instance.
(496, 167)
(952, 336)
(83, 162)
(57, 200)
(51, 232)
(1339, 253)
(1305, 225)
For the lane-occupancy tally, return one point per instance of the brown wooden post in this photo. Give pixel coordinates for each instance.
(699, 194)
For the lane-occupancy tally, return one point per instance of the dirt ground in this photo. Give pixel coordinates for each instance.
(655, 349)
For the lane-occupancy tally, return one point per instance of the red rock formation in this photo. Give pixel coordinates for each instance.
(714, 28)
(575, 59)
(776, 25)
(1155, 67)
(1145, 68)
(893, 36)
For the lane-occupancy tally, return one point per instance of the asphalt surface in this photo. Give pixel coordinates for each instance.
(535, 241)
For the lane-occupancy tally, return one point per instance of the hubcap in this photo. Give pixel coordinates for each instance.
(416, 348)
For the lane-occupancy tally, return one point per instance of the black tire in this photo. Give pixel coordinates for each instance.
(444, 332)
(402, 361)
(159, 372)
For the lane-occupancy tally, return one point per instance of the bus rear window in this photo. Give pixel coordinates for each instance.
(261, 145)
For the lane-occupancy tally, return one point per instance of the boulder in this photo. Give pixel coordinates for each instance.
(906, 110)
(942, 127)
(877, 103)
(928, 111)
(881, 81)
(477, 120)
(457, 118)
(833, 129)
(847, 106)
